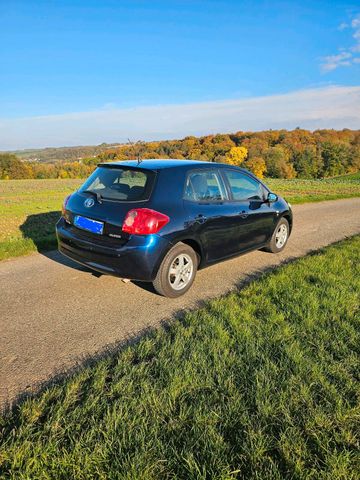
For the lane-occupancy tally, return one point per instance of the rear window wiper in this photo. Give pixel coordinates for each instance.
(96, 194)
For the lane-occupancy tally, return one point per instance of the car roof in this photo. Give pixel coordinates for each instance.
(158, 164)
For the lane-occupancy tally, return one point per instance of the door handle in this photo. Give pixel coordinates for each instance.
(243, 214)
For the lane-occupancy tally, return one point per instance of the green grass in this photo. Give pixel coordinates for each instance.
(348, 176)
(29, 208)
(260, 384)
(303, 191)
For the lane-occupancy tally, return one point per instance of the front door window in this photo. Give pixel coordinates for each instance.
(243, 187)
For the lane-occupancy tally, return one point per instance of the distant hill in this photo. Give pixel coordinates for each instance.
(295, 153)
(62, 154)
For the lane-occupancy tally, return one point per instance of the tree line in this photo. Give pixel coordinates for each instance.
(274, 153)
(66, 154)
(11, 167)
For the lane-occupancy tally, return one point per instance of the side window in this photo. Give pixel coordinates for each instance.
(243, 187)
(203, 186)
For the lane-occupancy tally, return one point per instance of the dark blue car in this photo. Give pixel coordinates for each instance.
(160, 220)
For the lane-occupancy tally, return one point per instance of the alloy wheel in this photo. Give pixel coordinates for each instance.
(181, 271)
(281, 236)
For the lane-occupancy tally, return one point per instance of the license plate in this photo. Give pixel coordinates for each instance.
(90, 225)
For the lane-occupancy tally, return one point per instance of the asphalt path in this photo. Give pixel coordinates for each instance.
(54, 314)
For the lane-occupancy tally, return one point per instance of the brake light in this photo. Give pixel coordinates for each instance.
(144, 221)
(63, 209)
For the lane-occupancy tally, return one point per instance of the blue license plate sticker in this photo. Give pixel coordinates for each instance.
(90, 225)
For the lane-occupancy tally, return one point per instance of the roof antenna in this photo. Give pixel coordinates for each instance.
(138, 152)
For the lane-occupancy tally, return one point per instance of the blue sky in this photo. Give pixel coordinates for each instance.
(66, 58)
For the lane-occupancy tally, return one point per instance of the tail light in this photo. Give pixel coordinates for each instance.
(144, 221)
(63, 209)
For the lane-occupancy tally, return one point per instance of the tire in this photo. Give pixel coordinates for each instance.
(275, 245)
(177, 271)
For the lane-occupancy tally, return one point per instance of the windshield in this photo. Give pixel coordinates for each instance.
(120, 183)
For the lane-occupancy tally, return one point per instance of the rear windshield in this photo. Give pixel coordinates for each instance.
(121, 184)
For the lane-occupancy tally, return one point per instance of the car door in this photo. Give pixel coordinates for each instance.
(210, 217)
(255, 218)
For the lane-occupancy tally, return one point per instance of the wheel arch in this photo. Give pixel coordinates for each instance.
(196, 246)
(191, 242)
(289, 218)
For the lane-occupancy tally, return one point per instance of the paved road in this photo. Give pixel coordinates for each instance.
(53, 313)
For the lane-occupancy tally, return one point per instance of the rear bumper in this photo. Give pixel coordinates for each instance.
(138, 259)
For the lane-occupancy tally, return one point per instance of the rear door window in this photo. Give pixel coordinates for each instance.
(204, 186)
(121, 184)
(242, 186)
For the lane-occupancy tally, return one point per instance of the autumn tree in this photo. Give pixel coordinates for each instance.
(277, 163)
(257, 165)
(354, 161)
(236, 155)
(335, 157)
(307, 162)
(12, 167)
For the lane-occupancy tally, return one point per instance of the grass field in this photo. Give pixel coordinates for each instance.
(349, 176)
(260, 384)
(29, 208)
(302, 191)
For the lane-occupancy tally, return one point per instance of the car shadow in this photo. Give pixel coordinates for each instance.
(57, 257)
(40, 228)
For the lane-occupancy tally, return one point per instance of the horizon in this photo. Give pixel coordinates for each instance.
(88, 72)
(120, 144)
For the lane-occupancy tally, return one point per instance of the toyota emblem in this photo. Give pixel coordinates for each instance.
(89, 202)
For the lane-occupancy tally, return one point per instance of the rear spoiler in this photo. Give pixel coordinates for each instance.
(127, 167)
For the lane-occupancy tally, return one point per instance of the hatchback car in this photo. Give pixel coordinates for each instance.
(160, 221)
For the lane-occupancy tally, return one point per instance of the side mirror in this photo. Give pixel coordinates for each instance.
(272, 197)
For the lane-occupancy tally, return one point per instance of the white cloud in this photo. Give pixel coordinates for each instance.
(347, 56)
(343, 26)
(355, 23)
(331, 62)
(329, 107)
